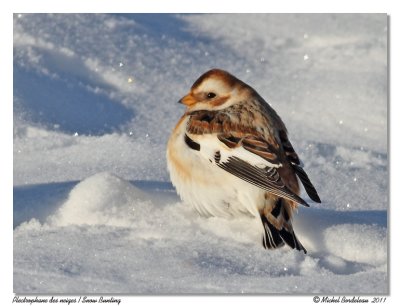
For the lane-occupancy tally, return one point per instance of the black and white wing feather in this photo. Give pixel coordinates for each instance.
(267, 178)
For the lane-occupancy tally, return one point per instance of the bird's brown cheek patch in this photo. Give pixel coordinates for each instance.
(219, 101)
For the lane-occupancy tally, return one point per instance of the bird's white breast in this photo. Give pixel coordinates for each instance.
(211, 190)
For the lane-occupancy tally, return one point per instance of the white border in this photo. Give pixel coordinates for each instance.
(248, 6)
(209, 6)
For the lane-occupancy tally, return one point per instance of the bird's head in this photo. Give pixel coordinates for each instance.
(214, 90)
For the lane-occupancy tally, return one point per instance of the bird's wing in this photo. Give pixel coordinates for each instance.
(264, 178)
(239, 150)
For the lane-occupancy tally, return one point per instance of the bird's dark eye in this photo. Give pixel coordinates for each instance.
(211, 95)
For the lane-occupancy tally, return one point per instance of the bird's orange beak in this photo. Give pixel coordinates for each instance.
(188, 100)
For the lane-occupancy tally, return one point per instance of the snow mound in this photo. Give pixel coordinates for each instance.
(107, 200)
(100, 199)
(357, 242)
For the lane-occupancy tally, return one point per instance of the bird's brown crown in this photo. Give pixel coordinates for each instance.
(217, 74)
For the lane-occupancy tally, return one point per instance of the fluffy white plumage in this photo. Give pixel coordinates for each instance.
(199, 184)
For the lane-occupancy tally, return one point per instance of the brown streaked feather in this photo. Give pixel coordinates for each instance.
(233, 133)
(256, 143)
(230, 141)
(271, 157)
(260, 147)
(205, 122)
(290, 153)
(220, 122)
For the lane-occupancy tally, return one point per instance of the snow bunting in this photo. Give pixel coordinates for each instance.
(230, 155)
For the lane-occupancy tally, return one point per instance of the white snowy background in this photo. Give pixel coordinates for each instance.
(94, 103)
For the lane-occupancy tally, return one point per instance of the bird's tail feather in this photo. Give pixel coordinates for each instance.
(277, 237)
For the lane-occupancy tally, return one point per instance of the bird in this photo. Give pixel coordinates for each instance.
(229, 155)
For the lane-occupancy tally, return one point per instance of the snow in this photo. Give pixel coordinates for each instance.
(94, 103)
